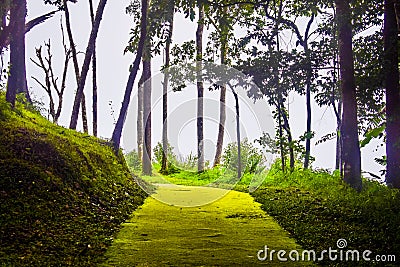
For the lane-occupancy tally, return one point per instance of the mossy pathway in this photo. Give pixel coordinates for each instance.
(226, 232)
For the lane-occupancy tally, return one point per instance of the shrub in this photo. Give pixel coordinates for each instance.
(253, 160)
(133, 161)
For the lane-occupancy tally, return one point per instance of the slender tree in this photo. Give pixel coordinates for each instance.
(391, 68)
(351, 155)
(147, 87)
(17, 80)
(170, 22)
(139, 122)
(94, 75)
(86, 63)
(75, 61)
(200, 89)
(303, 41)
(239, 168)
(116, 136)
(223, 32)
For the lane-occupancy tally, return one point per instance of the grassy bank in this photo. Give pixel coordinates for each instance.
(63, 194)
(318, 209)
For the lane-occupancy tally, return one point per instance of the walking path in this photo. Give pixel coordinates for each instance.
(227, 232)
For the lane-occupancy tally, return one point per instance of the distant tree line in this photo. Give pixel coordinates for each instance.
(345, 56)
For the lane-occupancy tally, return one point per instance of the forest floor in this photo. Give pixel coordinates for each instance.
(226, 232)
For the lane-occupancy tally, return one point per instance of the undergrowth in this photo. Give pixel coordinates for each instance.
(318, 209)
(63, 194)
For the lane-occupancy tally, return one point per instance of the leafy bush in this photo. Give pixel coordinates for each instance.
(171, 157)
(158, 153)
(253, 160)
(133, 161)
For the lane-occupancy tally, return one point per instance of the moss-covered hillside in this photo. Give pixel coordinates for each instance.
(62, 193)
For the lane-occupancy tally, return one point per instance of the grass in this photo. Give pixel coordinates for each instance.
(318, 208)
(63, 194)
(214, 177)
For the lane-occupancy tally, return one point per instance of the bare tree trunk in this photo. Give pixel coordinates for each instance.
(283, 156)
(221, 126)
(308, 93)
(200, 90)
(164, 161)
(75, 61)
(147, 86)
(139, 123)
(351, 155)
(86, 63)
(17, 80)
(391, 66)
(222, 99)
(286, 126)
(222, 113)
(116, 136)
(239, 169)
(94, 69)
(338, 140)
(308, 105)
(84, 115)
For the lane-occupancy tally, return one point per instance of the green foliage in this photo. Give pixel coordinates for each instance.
(63, 193)
(371, 134)
(171, 157)
(159, 16)
(189, 162)
(253, 160)
(325, 209)
(158, 153)
(133, 161)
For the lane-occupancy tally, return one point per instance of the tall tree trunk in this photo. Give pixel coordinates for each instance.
(75, 61)
(146, 165)
(84, 115)
(222, 98)
(164, 161)
(286, 126)
(116, 136)
(282, 151)
(94, 69)
(308, 105)
(139, 122)
(308, 93)
(392, 95)
(221, 126)
(338, 162)
(239, 169)
(17, 80)
(351, 155)
(200, 90)
(86, 63)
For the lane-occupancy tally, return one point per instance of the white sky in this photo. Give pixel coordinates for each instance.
(113, 74)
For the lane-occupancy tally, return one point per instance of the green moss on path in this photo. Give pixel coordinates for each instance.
(226, 232)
